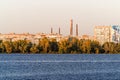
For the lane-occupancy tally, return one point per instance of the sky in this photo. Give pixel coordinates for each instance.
(36, 16)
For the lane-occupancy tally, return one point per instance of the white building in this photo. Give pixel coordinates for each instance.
(107, 34)
(34, 38)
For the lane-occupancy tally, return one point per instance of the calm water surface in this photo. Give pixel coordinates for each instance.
(59, 67)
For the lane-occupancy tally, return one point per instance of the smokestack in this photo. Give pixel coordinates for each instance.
(51, 30)
(59, 30)
(71, 27)
(76, 29)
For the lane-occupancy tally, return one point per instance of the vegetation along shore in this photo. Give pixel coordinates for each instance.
(70, 45)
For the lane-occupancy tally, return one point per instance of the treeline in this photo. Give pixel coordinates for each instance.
(71, 46)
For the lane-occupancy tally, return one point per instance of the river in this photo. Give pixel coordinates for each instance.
(59, 67)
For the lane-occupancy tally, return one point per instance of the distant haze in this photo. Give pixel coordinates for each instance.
(40, 15)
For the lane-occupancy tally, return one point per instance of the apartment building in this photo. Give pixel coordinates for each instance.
(107, 34)
(34, 38)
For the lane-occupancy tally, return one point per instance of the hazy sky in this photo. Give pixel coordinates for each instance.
(40, 15)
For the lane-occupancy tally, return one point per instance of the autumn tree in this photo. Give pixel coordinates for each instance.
(34, 49)
(95, 47)
(45, 45)
(25, 46)
(73, 46)
(85, 46)
(53, 46)
(109, 47)
(8, 46)
(63, 44)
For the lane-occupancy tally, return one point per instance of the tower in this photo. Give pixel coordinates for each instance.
(76, 29)
(71, 27)
(51, 30)
(59, 30)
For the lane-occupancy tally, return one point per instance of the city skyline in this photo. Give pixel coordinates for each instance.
(36, 16)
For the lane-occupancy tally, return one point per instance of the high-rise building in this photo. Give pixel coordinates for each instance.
(71, 27)
(107, 34)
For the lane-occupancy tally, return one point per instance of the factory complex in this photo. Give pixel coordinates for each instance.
(101, 33)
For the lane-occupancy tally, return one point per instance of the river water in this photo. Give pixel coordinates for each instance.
(59, 67)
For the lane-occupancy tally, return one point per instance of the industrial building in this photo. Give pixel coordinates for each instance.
(71, 29)
(34, 38)
(107, 34)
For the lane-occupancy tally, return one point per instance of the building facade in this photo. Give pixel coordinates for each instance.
(107, 34)
(34, 38)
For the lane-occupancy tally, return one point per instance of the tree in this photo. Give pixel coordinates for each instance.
(63, 44)
(45, 45)
(2, 47)
(53, 46)
(73, 46)
(70, 45)
(16, 45)
(25, 46)
(8, 46)
(109, 47)
(34, 49)
(95, 47)
(85, 46)
(117, 48)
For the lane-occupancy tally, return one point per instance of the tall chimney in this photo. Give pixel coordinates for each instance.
(71, 27)
(76, 29)
(59, 30)
(51, 30)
